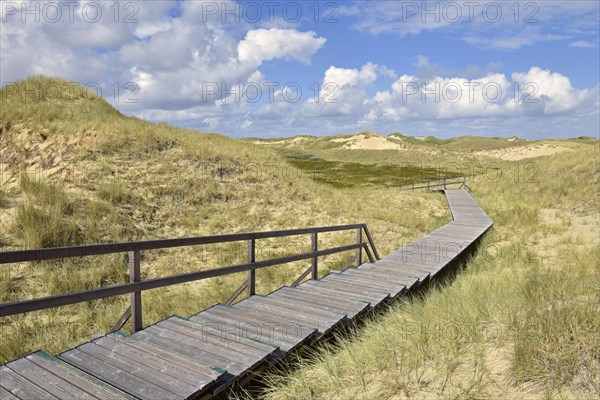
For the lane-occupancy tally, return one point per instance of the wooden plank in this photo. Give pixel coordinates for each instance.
(22, 387)
(137, 356)
(269, 348)
(416, 271)
(366, 277)
(382, 276)
(6, 395)
(130, 383)
(306, 300)
(349, 306)
(234, 362)
(271, 321)
(373, 296)
(77, 377)
(413, 268)
(360, 280)
(346, 296)
(391, 289)
(323, 312)
(141, 370)
(187, 362)
(255, 329)
(321, 327)
(48, 382)
(253, 353)
(322, 320)
(415, 261)
(393, 271)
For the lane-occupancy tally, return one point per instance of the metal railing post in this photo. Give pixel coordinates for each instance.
(135, 297)
(359, 250)
(445, 184)
(252, 272)
(313, 248)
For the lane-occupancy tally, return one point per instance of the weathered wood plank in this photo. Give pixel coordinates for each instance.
(275, 321)
(345, 296)
(22, 387)
(382, 277)
(166, 367)
(348, 306)
(123, 380)
(6, 395)
(305, 300)
(375, 297)
(77, 377)
(266, 347)
(143, 371)
(253, 353)
(324, 322)
(48, 382)
(302, 307)
(233, 362)
(391, 289)
(177, 358)
(242, 323)
(398, 266)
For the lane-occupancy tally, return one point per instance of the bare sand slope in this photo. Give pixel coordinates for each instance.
(520, 153)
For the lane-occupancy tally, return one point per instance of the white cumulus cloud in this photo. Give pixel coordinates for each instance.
(261, 45)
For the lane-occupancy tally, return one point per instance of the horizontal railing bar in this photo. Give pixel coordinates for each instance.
(20, 307)
(428, 186)
(448, 180)
(110, 248)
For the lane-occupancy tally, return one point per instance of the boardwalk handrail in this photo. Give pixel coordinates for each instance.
(136, 285)
(16, 256)
(443, 183)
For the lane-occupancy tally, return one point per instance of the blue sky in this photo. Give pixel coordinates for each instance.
(442, 68)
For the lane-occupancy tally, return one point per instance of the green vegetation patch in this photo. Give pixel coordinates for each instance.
(341, 174)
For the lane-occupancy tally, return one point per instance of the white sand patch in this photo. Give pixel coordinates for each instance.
(520, 153)
(298, 139)
(282, 141)
(346, 139)
(373, 143)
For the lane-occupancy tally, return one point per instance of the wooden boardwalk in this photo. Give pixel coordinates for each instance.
(202, 355)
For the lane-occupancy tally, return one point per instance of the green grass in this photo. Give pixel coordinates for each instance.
(344, 174)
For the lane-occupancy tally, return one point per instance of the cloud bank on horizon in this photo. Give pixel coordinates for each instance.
(283, 68)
